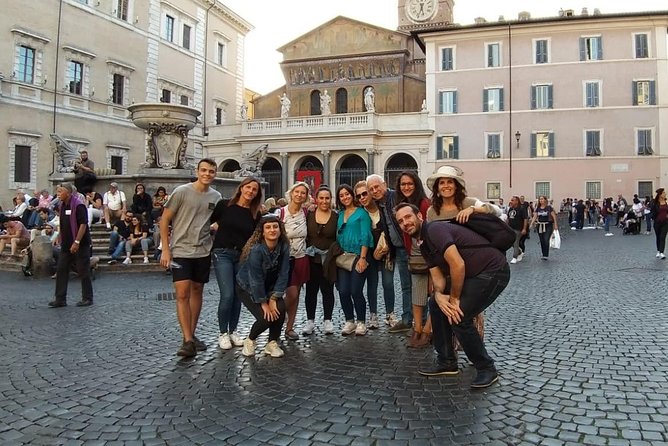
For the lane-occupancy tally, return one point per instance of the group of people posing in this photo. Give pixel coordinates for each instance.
(352, 238)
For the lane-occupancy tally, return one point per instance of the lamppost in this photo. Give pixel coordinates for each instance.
(518, 135)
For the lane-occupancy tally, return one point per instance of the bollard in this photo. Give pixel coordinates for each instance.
(42, 256)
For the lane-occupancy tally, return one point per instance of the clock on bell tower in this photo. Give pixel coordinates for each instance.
(420, 14)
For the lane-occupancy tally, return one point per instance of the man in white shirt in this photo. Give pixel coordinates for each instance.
(114, 203)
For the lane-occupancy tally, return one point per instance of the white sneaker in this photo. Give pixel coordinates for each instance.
(658, 254)
(373, 321)
(360, 330)
(609, 234)
(224, 341)
(514, 261)
(272, 349)
(145, 260)
(127, 261)
(348, 328)
(108, 225)
(249, 347)
(328, 327)
(236, 340)
(309, 327)
(662, 256)
(391, 319)
(521, 256)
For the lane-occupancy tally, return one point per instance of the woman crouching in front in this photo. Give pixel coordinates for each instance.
(261, 282)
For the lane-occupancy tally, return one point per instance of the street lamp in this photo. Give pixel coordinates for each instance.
(518, 135)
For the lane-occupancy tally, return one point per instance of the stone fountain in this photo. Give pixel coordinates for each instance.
(167, 126)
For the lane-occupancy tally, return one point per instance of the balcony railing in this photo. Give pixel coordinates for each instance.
(310, 124)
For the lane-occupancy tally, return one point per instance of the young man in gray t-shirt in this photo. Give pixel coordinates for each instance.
(187, 251)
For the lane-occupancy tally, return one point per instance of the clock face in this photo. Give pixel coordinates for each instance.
(421, 10)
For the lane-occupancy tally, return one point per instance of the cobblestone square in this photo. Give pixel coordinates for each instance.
(581, 344)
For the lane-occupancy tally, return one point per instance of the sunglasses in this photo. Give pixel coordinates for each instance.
(361, 194)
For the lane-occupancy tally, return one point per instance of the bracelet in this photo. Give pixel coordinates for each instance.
(77, 242)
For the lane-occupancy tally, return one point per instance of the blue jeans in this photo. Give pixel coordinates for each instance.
(226, 267)
(116, 245)
(606, 223)
(376, 266)
(401, 264)
(351, 289)
(478, 293)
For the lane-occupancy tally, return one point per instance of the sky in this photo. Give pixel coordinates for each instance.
(277, 22)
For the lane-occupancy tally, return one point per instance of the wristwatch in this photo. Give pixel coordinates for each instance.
(77, 242)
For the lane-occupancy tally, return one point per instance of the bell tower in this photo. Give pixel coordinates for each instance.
(424, 14)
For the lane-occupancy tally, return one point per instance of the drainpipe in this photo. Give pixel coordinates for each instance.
(55, 83)
(510, 107)
(205, 131)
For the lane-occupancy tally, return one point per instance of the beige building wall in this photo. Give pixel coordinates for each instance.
(204, 68)
(570, 171)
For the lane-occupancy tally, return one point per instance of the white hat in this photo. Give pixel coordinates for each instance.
(447, 172)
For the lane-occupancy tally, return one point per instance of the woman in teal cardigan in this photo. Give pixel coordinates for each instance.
(354, 236)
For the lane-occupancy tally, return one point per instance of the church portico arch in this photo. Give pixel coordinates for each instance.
(272, 172)
(309, 169)
(351, 169)
(396, 164)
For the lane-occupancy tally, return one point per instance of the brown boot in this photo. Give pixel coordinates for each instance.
(423, 341)
(415, 338)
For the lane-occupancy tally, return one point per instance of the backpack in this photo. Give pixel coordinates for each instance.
(493, 229)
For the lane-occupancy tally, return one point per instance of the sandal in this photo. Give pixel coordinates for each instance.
(291, 335)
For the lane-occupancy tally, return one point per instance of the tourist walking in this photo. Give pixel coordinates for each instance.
(660, 217)
(544, 218)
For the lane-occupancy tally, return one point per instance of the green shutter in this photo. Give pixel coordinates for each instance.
(440, 102)
(455, 148)
(549, 96)
(485, 99)
(599, 52)
(533, 145)
(501, 99)
(652, 92)
(634, 93)
(454, 102)
(533, 97)
(550, 141)
(439, 147)
(583, 51)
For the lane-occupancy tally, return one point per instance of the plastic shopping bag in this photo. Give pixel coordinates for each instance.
(555, 240)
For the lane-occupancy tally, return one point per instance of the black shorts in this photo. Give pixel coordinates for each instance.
(196, 269)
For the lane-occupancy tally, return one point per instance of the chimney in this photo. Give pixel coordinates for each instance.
(584, 11)
(524, 16)
(561, 12)
(502, 18)
(479, 20)
(597, 11)
(568, 13)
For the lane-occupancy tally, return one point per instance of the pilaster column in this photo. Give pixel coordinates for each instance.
(326, 174)
(284, 167)
(370, 161)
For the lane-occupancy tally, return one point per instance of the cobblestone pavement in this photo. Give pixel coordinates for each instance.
(581, 343)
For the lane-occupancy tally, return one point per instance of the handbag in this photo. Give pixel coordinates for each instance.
(381, 247)
(555, 240)
(417, 265)
(346, 261)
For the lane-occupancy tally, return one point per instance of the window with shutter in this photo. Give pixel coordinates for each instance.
(593, 142)
(641, 47)
(447, 59)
